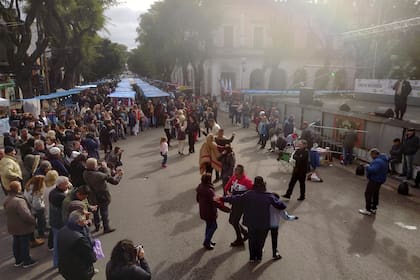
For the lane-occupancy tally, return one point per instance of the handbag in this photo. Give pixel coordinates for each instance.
(97, 248)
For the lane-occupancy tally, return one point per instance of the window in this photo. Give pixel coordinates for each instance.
(228, 37)
(258, 37)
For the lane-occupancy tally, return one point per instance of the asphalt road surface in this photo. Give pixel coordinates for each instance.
(331, 240)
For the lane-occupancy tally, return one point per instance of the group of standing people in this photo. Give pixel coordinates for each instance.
(57, 185)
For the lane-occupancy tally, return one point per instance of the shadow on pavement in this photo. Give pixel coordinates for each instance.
(182, 202)
(187, 224)
(208, 270)
(362, 238)
(251, 271)
(180, 269)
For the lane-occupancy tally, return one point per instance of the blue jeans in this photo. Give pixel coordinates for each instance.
(211, 227)
(21, 248)
(55, 246)
(245, 121)
(165, 158)
(347, 155)
(408, 165)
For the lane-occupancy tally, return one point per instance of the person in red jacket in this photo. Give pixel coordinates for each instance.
(239, 183)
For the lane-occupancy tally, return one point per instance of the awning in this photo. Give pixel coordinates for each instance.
(59, 94)
(87, 86)
(123, 94)
(4, 102)
(150, 91)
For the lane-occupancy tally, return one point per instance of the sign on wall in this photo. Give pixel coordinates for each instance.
(383, 86)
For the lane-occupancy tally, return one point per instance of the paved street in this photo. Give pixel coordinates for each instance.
(157, 208)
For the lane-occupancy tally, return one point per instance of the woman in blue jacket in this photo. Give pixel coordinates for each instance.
(256, 205)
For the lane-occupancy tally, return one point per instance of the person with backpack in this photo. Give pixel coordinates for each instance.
(376, 174)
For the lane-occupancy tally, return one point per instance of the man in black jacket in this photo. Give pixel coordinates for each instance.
(402, 91)
(410, 147)
(75, 249)
(300, 160)
(56, 198)
(396, 154)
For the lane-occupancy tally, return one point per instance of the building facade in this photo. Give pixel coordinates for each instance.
(267, 44)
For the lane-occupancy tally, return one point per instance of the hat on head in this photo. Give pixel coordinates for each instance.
(9, 149)
(411, 129)
(74, 154)
(55, 151)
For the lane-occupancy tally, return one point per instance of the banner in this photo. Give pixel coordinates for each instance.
(4, 126)
(383, 86)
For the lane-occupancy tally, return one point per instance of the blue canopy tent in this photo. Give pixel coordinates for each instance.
(150, 91)
(127, 97)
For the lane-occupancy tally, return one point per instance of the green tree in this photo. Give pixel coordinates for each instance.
(175, 32)
(109, 60)
(39, 18)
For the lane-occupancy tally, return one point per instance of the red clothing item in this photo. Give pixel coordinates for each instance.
(238, 185)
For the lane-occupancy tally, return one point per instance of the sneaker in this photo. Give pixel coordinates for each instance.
(31, 263)
(285, 196)
(276, 256)
(95, 271)
(365, 212)
(164, 166)
(208, 247)
(18, 264)
(301, 198)
(51, 249)
(373, 211)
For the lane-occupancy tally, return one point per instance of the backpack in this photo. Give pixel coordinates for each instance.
(403, 188)
(360, 170)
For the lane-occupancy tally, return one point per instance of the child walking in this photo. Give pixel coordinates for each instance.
(275, 216)
(164, 151)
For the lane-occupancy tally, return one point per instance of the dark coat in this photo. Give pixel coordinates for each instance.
(256, 206)
(208, 208)
(301, 158)
(376, 171)
(228, 164)
(91, 146)
(75, 253)
(410, 145)
(349, 140)
(58, 165)
(396, 152)
(139, 271)
(56, 198)
(405, 92)
(97, 182)
(76, 173)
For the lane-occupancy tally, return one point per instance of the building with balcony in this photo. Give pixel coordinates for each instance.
(267, 44)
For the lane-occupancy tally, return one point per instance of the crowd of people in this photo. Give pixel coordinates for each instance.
(55, 173)
(56, 169)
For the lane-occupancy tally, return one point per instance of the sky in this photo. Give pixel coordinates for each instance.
(122, 21)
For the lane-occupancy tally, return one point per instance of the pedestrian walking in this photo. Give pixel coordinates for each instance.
(275, 216)
(300, 162)
(376, 173)
(164, 149)
(208, 209)
(238, 184)
(256, 204)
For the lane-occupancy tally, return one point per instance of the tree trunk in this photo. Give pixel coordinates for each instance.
(24, 82)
